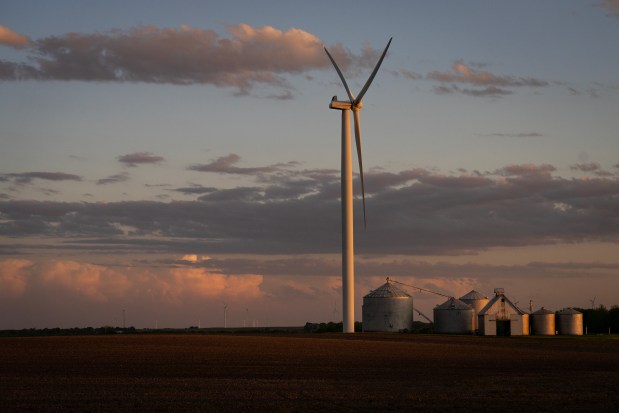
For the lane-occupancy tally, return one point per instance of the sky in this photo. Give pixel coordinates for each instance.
(164, 160)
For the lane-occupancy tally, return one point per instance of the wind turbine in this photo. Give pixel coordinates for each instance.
(348, 269)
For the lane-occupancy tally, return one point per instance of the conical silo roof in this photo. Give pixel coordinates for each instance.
(569, 311)
(543, 311)
(387, 290)
(453, 304)
(473, 295)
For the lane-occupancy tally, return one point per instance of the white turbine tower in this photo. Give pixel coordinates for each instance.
(348, 268)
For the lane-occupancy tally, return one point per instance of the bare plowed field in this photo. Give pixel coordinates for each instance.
(320, 372)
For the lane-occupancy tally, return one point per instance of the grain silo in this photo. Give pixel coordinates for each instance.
(477, 301)
(387, 308)
(543, 322)
(570, 322)
(454, 317)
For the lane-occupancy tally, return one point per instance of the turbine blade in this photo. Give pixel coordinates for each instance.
(358, 142)
(371, 78)
(339, 72)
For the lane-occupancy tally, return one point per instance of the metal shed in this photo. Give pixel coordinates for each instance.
(387, 308)
(454, 317)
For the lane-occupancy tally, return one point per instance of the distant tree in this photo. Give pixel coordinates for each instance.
(598, 320)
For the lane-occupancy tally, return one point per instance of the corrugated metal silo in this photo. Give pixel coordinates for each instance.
(477, 301)
(543, 322)
(570, 322)
(387, 308)
(454, 317)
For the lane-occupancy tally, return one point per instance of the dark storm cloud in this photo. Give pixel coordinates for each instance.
(246, 57)
(28, 177)
(137, 158)
(410, 212)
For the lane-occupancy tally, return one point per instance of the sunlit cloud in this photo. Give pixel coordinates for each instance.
(11, 38)
(194, 258)
(13, 276)
(246, 57)
(487, 83)
(463, 73)
(101, 283)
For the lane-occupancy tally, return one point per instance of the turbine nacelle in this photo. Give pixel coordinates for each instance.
(340, 104)
(344, 104)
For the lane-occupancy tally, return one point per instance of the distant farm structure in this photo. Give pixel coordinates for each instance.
(389, 308)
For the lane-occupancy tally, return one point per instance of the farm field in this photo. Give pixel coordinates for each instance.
(313, 372)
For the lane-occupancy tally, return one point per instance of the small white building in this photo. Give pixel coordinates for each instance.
(501, 317)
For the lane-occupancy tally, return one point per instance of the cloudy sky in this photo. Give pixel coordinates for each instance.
(169, 158)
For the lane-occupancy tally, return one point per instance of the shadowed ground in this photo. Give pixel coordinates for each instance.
(319, 372)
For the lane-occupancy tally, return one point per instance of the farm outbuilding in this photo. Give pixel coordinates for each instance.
(501, 317)
(454, 317)
(387, 308)
(477, 301)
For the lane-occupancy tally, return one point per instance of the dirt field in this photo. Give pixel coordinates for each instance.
(320, 372)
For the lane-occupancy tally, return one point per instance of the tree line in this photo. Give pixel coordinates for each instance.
(599, 320)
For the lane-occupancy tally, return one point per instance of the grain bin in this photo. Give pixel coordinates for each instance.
(570, 322)
(387, 308)
(543, 322)
(454, 317)
(477, 301)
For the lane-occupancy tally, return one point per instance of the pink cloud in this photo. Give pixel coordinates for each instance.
(13, 276)
(101, 283)
(187, 55)
(463, 73)
(96, 282)
(11, 38)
